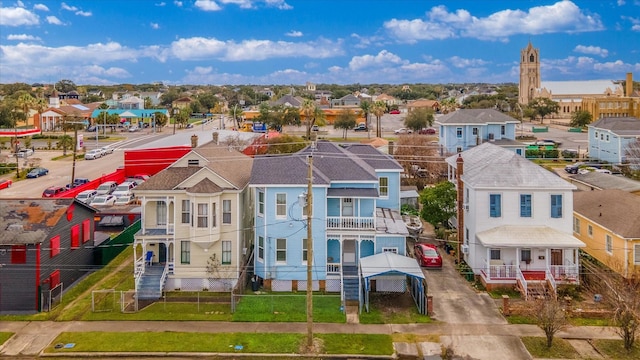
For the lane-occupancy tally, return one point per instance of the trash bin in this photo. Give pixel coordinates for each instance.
(255, 284)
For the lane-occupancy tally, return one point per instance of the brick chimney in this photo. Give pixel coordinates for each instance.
(194, 141)
(629, 85)
(215, 137)
(460, 211)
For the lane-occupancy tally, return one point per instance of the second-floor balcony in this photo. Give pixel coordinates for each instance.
(157, 229)
(350, 223)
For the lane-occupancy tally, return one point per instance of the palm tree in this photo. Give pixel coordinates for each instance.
(366, 109)
(309, 110)
(26, 102)
(235, 112)
(378, 109)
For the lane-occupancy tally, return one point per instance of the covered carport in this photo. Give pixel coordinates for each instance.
(390, 273)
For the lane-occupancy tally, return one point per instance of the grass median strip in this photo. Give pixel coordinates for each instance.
(4, 336)
(276, 343)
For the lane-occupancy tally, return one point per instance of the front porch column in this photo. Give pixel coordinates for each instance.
(487, 263)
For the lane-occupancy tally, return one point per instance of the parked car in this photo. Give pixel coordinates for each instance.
(125, 200)
(53, 191)
(106, 150)
(5, 183)
(87, 196)
(107, 187)
(547, 142)
(91, 128)
(77, 182)
(37, 172)
(23, 153)
(315, 128)
(361, 127)
(143, 177)
(93, 154)
(427, 131)
(427, 255)
(569, 153)
(394, 112)
(124, 189)
(189, 126)
(103, 200)
(134, 128)
(603, 171)
(402, 131)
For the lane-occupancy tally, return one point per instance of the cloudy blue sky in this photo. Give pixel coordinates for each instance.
(330, 41)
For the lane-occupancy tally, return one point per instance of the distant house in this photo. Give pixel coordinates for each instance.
(608, 222)
(388, 99)
(349, 100)
(356, 215)
(463, 129)
(515, 220)
(594, 180)
(290, 101)
(181, 103)
(131, 103)
(424, 104)
(610, 137)
(196, 228)
(45, 246)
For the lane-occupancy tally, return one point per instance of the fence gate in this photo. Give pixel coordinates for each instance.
(51, 298)
(128, 301)
(418, 289)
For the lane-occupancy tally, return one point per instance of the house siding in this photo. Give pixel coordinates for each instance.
(18, 283)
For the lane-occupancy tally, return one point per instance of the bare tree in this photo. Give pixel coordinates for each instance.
(632, 159)
(550, 317)
(622, 295)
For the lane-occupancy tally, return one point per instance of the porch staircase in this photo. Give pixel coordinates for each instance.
(149, 285)
(350, 285)
(538, 290)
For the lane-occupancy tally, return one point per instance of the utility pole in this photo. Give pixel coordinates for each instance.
(75, 147)
(309, 205)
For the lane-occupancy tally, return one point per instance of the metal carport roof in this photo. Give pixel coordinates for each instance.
(388, 263)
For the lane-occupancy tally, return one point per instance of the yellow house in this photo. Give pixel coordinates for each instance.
(608, 222)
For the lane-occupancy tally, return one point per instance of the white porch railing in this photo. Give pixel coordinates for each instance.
(163, 277)
(350, 223)
(549, 278)
(523, 282)
(502, 271)
(138, 271)
(566, 273)
(333, 268)
(171, 229)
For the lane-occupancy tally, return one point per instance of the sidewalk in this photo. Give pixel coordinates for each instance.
(32, 337)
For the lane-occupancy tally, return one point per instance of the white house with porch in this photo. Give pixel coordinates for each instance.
(516, 221)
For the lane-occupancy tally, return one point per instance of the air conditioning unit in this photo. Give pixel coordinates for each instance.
(465, 249)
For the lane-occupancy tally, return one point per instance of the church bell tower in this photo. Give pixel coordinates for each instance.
(529, 73)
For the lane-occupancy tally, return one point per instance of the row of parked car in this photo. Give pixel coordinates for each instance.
(112, 193)
(98, 153)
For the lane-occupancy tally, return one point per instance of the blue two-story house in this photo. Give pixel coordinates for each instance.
(463, 129)
(609, 138)
(355, 214)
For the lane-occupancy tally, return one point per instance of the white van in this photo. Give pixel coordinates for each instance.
(107, 187)
(124, 189)
(87, 196)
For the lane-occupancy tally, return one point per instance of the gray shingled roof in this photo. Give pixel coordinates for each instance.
(28, 221)
(205, 186)
(614, 209)
(622, 126)
(331, 162)
(607, 181)
(475, 116)
(373, 157)
(229, 164)
(492, 166)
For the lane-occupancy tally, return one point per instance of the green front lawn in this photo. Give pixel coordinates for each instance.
(265, 343)
(614, 349)
(288, 308)
(4, 336)
(560, 348)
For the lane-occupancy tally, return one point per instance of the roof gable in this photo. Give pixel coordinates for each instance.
(475, 116)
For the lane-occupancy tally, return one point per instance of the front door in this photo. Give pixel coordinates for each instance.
(163, 253)
(556, 256)
(349, 252)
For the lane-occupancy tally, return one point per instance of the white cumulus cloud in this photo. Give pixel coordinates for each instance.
(440, 23)
(64, 6)
(591, 50)
(382, 59)
(22, 37)
(155, 26)
(40, 7)
(207, 5)
(294, 33)
(17, 16)
(53, 20)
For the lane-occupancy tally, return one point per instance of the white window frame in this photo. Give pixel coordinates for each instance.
(384, 188)
(161, 213)
(260, 248)
(185, 252)
(226, 252)
(281, 206)
(214, 217)
(608, 244)
(202, 215)
(636, 254)
(226, 212)
(459, 133)
(491, 253)
(304, 251)
(281, 250)
(590, 230)
(576, 225)
(261, 203)
(186, 211)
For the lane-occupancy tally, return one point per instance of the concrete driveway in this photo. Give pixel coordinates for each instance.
(456, 303)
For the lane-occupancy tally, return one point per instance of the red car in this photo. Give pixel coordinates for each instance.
(394, 112)
(427, 131)
(53, 191)
(427, 255)
(5, 183)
